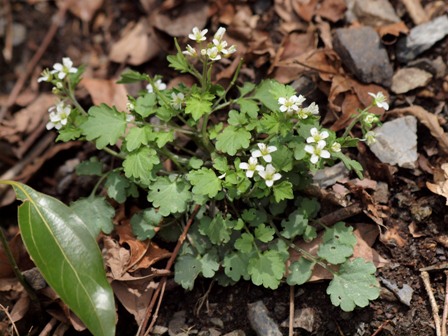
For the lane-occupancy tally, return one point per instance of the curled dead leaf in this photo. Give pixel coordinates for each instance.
(440, 187)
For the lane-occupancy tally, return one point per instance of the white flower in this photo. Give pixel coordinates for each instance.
(317, 136)
(130, 106)
(379, 100)
(307, 111)
(58, 115)
(177, 100)
(190, 51)
(370, 119)
(130, 118)
(64, 69)
(198, 35)
(291, 104)
(159, 84)
(230, 50)
(317, 151)
(269, 175)
(264, 151)
(213, 54)
(45, 76)
(370, 137)
(221, 46)
(251, 166)
(219, 34)
(336, 147)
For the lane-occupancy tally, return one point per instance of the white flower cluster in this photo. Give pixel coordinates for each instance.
(267, 173)
(293, 105)
(60, 71)
(215, 50)
(317, 145)
(58, 115)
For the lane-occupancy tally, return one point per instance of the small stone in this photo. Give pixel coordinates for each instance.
(408, 79)
(375, 13)
(404, 293)
(260, 321)
(213, 332)
(436, 67)
(361, 51)
(303, 318)
(217, 322)
(159, 330)
(177, 323)
(421, 38)
(396, 142)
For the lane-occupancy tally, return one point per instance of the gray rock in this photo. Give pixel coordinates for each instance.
(361, 51)
(421, 38)
(217, 322)
(404, 293)
(375, 13)
(396, 142)
(303, 318)
(260, 321)
(436, 67)
(408, 79)
(177, 323)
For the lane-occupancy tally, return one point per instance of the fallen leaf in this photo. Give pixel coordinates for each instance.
(106, 91)
(84, 9)
(20, 308)
(389, 33)
(305, 9)
(440, 187)
(333, 10)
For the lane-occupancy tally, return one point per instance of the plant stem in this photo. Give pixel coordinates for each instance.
(232, 83)
(15, 268)
(114, 153)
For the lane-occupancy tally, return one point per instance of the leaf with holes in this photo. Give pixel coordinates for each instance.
(337, 243)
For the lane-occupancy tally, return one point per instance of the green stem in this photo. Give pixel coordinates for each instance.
(15, 268)
(114, 153)
(174, 158)
(232, 83)
(204, 134)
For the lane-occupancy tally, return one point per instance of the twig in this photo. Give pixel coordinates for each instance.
(445, 306)
(381, 327)
(49, 327)
(37, 56)
(5, 310)
(291, 310)
(435, 308)
(161, 288)
(202, 299)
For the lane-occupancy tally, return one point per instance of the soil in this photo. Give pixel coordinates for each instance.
(408, 249)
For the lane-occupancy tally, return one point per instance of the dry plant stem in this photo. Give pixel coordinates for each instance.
(381, 327)
(161, 288)
(49, 327)
(291, 310)
(435, 308)
(445, 306)
(5, 310)
(37, 56)
(15, 268)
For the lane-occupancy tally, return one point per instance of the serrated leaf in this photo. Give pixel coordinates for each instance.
(246, 88)
(132, 76)
(300, 271)
(245, 243)
(186, 270)
(68, 257)
(144, 223)
(266, 269)
(218, 229)
(232, 139)
(136, 137)
(249, 107)
(235, 265)
(337, 243)
(282, 158)
(236, 118)
(90, 167)
(354, 285)
(205, 182)
(220, 163)
(96, 213)
(119, 187)
(138, 164)
(178, 62)
(264, 233)
(169, 196)
(145, 104)
(68, 133)
(270, 90)
(162, 138)
(282, 191)
(105, 125)
(297, 224)
(209, 264)
(195, 163)
(197, 105)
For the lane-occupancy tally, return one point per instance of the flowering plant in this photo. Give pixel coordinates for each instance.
(244, 161)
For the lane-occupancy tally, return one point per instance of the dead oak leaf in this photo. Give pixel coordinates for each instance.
(440, 187)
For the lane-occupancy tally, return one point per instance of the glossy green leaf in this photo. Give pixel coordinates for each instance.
(68, 257)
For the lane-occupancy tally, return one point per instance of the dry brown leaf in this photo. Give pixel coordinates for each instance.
(305, 9)
(106, 91)
(137, 46)
(391, 236)
(116, 258)
(188, 15)
(389, 33)
(430, 121)
(333, 10)
(20, 308)
(440, 187)
(84, 9)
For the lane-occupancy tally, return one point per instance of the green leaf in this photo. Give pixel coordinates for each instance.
(269, 91)
(282, 158)
(204, 182)
(349, 163)
(186, 270)
(68, 133)
(169, 195)
(232, 139)
(282, 191)
(90, 167)
(249, 107)
(144, 105)
(132, 76)
(236, 118)
(195, 163)
(267, 269)
(68, 257)
(96, 213)
(354, 285)
(136, 137)
(144, 223)
(178, 62)
(218, 229)
(297, 224)
(119, 187)
(162, 138)
(198, 105)
(220, 163)
(209, 264)
(139, 164)
(105, 125)
(245, 243)
(264, 233)
(235, 265)
(337, 243)
(300, 271)
(246, 88)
